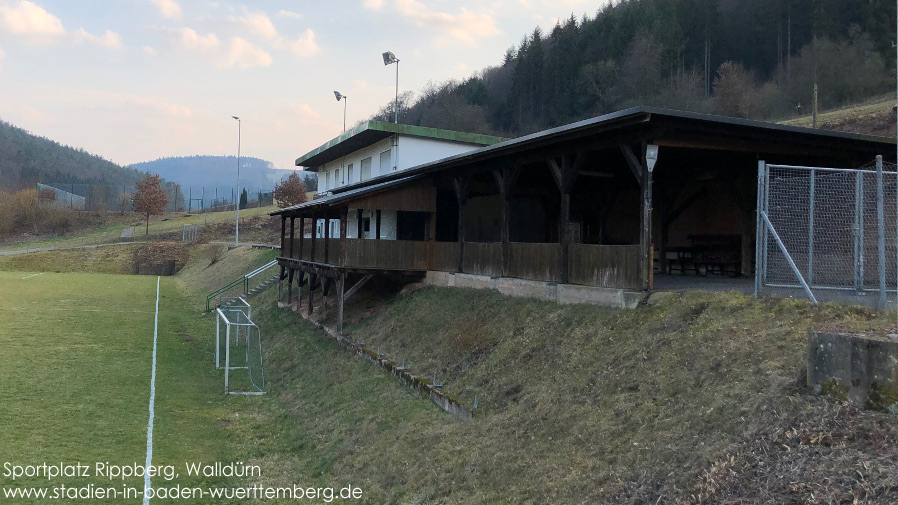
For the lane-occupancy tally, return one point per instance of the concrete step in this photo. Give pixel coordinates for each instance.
(261, 287)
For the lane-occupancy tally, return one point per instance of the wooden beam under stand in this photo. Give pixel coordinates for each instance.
(290, 288)
(357, 286)
(462, 188)
(341, 282)
(646, 242)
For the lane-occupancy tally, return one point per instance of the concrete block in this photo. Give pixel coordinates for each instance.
(858, 368)
(472, 281)
(569, 293)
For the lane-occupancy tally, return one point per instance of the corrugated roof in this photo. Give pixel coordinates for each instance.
(331, 199)
(371, 132)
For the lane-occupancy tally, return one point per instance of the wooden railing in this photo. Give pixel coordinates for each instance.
(483, 258)
(537, 262)
(444, 256)
(607, 266)
(589, 265)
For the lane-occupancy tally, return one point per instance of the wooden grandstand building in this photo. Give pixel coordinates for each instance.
(579, 204)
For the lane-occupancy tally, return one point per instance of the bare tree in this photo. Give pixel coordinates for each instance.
(290, 192)
(149, 199)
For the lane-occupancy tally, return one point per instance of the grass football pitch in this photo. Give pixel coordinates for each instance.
(76, 355)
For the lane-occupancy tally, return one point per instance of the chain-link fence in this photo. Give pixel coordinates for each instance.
(828, 234)
(115, 198)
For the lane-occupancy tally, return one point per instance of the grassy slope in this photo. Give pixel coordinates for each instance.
(219, 224)
(578, 404)
(112, 259)
(873, 117)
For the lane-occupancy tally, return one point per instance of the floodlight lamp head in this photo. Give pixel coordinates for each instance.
(339, 95)
(651, 156)
(389, 57)
(235, 117)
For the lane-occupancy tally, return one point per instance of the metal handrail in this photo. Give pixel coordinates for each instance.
(244, 280)
(261, 269)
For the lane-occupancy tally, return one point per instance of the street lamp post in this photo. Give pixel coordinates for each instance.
(390, 58)
(344, 98)
(237, 221)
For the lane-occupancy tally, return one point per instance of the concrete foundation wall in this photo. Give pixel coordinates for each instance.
(547, 291)
(862, 370)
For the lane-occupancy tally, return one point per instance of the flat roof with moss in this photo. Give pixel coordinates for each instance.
(371, 132)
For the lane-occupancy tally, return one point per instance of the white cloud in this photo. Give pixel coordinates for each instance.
(244, 55)
(109, 39)
(257, 23)
(373, 4)
(303, 45)
(149, 50)
(464, 26)
(167, 109)
(289, 14)
(2, 55)
(169, 9)
(304, 113)
(187, 39)
(31, 20)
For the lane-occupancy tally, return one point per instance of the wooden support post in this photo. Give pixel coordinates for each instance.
(640, 170)
(292, 222)
(299, 284)
(646, 241)
(327, 234)
(565, 175)
(344, 221)
(290, 288)
(311, 292)
(281, 280)
(341, 283)
(432, 232)
(314, 239)
(283, 233)
(302, 234)
(358, 218)
(505, 180)
(377, 225)
(461, 185)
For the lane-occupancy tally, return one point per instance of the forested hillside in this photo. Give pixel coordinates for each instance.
(26, 159)
(218, 171)
(755, 59)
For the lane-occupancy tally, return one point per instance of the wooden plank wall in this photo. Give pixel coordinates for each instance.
(607, 266)
(444, 256)
(483, 258)
(537, 262)
(385, 254)
(590, 265)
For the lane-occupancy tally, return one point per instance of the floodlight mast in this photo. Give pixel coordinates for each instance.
(237, 221)
(343, 97)
(390, 58)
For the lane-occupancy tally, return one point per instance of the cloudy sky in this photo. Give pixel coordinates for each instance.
(134, 80)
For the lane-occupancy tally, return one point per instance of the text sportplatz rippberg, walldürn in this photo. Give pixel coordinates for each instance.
(110, 471)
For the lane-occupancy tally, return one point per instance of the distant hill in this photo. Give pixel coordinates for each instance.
(217, 172)
(26, 159)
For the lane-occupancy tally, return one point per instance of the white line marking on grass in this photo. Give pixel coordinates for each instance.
(146, 477)
(30, 276)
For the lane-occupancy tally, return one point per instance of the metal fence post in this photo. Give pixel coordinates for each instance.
(881, 233)
(758, 229)
(811, 230)
(857, 229)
